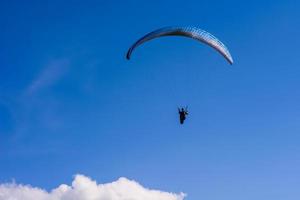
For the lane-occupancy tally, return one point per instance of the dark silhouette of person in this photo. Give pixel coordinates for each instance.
(182, 114)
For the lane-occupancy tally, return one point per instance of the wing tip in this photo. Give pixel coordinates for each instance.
(128, 56)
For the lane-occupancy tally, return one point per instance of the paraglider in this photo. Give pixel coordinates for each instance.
(190, 32)
(182, 114)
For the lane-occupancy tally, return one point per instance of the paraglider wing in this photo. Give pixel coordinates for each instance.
(191, 32)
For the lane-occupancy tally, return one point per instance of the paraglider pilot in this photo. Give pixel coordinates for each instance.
(182, 114)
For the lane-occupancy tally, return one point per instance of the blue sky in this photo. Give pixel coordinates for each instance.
(71, 103)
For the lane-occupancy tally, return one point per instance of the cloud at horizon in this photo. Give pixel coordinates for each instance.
(84, 188)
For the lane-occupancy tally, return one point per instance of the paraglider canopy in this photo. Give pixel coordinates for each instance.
(191, 32)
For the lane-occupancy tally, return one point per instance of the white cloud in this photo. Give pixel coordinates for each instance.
(83, 188)
(49, 75)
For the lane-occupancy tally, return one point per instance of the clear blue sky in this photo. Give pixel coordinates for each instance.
(71, 103)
